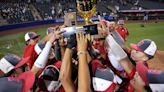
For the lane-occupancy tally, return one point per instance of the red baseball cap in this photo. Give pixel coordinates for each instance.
(22, 83)
(30, 35)
(147, 46)
(11, 61)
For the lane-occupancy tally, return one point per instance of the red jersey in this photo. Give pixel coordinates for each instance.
(30, 52)
(123, 32)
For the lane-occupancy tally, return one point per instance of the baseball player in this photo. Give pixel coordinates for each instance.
(31, 38)
(123, 31)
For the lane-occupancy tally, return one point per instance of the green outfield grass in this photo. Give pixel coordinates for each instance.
(155, 31)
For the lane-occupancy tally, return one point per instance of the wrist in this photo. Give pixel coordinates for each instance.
(63, 47)
(81, 52)
(69, 49)
(52, 41)
(49, 43)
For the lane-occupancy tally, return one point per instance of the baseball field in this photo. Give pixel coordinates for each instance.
(14, 43)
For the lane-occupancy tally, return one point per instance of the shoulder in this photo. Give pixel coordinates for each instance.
(95, 64)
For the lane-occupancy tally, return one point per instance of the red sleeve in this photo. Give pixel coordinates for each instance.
(130, 88)
(126, 30)
(95, 64)
(116, 28)
(58, 64)
(131, 75)
(61, 89)
(41, 85)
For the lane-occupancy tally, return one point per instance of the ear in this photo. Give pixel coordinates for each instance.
(145, 58)
(31, 41)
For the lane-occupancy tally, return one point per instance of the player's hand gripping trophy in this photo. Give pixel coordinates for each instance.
(86, 9)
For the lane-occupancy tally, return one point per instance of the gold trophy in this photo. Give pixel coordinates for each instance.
(86, 9)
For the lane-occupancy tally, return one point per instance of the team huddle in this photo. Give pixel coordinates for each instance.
(84, 62)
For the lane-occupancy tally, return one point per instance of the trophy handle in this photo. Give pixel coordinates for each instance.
(86, 14)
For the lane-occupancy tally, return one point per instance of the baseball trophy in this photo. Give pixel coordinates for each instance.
(86, 9)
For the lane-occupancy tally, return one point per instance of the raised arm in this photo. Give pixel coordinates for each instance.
(42, 59)
(66, 68)
(120, 55)
(83, 69)
(66, 71)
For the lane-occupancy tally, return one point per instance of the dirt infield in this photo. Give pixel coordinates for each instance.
(26, 29)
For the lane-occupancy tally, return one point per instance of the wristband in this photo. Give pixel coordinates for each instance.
(81, 52)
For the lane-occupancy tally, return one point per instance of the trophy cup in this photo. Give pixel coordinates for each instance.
(86, 9)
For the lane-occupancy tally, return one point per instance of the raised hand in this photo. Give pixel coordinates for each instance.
(89, 38)
(55, 35)
(103, 29)
(82, 42)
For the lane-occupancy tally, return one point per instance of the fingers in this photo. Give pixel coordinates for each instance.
(57, 28)
(86, 40)
(81, 36)
(81, 41)
(89, 38)
(60, 32)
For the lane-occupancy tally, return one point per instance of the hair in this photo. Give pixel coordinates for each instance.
(9, 73)
(150, 57)
(27, 42)
(13, 70)
(23, 67)
(147, 88)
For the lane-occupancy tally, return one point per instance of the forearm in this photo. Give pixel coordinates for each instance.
(83, 74)
(62, 50)
(120, 54)
(47, 37)
(115, 49)
(127, 65)
(66, 71)
(42, 59)
(89, 58)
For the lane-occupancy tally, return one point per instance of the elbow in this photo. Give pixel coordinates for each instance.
(64, 79)
(66, 83)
